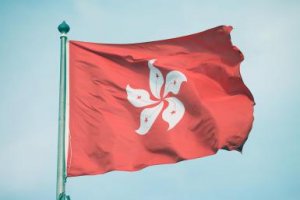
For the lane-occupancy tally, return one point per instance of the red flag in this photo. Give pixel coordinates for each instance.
(136, 105)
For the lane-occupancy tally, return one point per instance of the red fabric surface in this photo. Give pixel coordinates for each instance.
(218, 106)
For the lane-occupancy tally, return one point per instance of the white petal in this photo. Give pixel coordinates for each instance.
(156, 79)
(147, 118)
(173, 82)
(174, 112)
(138, 97)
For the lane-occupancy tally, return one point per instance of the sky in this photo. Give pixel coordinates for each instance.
(267, 32)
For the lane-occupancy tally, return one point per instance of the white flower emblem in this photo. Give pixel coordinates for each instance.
(141, 98)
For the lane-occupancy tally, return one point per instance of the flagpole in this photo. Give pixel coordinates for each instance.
(63, 28)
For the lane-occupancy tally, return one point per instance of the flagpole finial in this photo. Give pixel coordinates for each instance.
(63, 28)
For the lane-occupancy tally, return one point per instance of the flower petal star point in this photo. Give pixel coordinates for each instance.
(141, 98)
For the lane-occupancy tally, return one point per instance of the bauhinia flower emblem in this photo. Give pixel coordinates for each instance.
(173, 113)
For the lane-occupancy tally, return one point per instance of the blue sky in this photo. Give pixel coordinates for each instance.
(267, 32)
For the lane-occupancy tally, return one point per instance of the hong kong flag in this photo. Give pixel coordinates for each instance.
(136, 105)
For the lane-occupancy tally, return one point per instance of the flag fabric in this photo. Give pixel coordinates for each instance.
(137, 105)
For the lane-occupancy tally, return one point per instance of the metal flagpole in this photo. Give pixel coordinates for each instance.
(61, 166)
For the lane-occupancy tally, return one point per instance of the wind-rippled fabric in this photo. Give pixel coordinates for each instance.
(136, 105)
